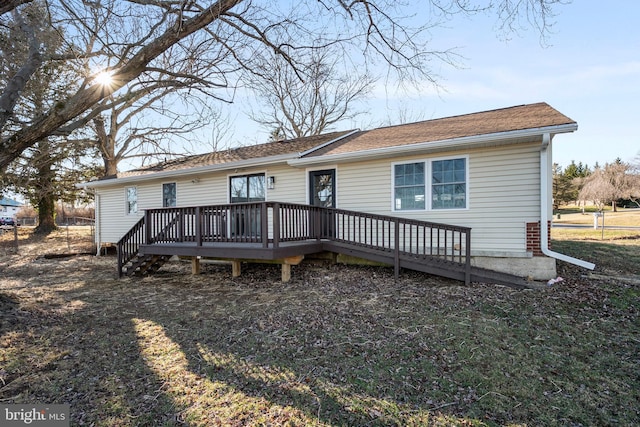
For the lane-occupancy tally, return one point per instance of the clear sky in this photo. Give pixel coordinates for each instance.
(589, 71)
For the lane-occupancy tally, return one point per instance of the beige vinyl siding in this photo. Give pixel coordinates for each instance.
(114, 221)
(210, 189)
(503, 194)
(365, 186)
(290, 185)
(207, 189)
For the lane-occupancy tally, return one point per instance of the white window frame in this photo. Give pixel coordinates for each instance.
(162, 193)
(428, 173)
(127, 202)
(393, 185)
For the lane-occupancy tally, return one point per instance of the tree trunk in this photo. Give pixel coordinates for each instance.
(45, 196)
(46, 214)
(614, 206)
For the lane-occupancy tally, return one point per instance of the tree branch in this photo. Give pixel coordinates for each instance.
(11, 147)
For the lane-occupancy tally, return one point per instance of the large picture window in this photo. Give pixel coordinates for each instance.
(247, 188)
(169, 195)
(442, 181)
(131, 195)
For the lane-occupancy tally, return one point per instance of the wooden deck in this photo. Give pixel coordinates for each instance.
(285, 233)
(234, 250)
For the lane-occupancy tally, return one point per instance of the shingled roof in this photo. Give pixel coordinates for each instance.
(232, 155)
(531, 116)
(309, 149)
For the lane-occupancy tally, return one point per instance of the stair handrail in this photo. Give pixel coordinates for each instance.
(128, 245)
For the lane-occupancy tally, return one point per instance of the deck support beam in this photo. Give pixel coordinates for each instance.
(195, 265)
(286, 266)
(285, 262)
(235, 268)
(286, 273)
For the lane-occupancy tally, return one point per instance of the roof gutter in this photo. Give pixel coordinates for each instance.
(545, 197)
(440, 145)
(264, 161)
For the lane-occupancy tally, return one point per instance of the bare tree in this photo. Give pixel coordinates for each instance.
(220, 126)
(612, 182)
(307, 102)
(129, 37)
(147, 127)
(148, 31)
(635, 163)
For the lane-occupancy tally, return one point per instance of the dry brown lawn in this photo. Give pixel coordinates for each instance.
(335, 346)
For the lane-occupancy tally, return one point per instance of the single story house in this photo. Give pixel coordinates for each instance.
(488, 171)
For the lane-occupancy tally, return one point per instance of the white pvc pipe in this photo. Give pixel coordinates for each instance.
(546, 190)
(96, 223)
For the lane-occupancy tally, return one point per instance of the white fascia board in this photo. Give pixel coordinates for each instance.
(445, 144)
(263, 161)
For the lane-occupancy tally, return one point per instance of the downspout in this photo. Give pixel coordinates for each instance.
(96, 222)
(546, 192)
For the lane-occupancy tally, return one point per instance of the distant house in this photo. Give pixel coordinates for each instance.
(9, 208)
(489, 171)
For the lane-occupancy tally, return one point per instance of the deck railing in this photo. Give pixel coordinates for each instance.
(129, 243)
(271, 223)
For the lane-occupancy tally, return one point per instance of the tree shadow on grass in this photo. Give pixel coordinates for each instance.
(86, 359)
(253, 358)
(177, 349)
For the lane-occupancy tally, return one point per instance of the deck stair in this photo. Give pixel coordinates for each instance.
(274, 231)
(142, 265)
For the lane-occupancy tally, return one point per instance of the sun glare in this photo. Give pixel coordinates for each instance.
(104, 78)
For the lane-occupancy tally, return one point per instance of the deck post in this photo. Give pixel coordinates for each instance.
(181, 224)
(317, 222)
(147, 227)
(120, 257)
(264, 224)
(286, 266)
(235, 268)
(198, 226)
(276, 224)
(396, 259)
(286, 273)
(195, 265)
(467, 266)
